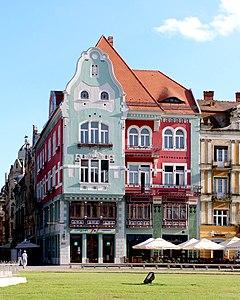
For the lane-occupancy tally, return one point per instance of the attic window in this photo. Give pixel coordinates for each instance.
(84, 95)
(104, 96)
(172, 100)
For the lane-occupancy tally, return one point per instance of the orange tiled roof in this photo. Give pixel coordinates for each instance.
(145, 89)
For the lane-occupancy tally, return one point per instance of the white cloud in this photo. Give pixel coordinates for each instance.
(191, 27)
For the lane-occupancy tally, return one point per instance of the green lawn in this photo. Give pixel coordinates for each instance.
(107, 285)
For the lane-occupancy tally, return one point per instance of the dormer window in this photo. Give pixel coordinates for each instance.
(94, 70)
(84, 95)
(172, 100)
(104, 96)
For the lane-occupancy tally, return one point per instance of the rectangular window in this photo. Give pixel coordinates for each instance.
(104, 170)
(174, 215)
(54, 176)
(220, 187)
(104, 134)
(139, 211)
(84, 134)
(220, 217)
(221, 153)
(54, 143)
(58, 175)
(94, 132)
(133, 175)
(84, 170)
(168, 175)
(59, 136)
(49, 149)
(94, 170)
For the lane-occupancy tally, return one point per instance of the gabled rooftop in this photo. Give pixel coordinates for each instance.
(145, 89)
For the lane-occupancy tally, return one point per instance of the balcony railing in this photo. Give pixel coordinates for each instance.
(221, 196)
(139, 223)
(170, 223)
(221, 164)
(93, 222)
(153, 152)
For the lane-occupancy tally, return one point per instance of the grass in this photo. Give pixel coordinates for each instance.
(107, 285)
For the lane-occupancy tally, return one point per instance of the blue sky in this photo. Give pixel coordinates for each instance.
(197, 43)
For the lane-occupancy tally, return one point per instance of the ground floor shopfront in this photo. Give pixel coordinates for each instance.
(92, 245)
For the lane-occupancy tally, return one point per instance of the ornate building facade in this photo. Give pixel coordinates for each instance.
(220, 168)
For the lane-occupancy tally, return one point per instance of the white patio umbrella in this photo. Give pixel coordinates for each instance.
(188, 245)
(142, 244)
(233, 246)
(160, 244)
(230, 241)
(205, 244)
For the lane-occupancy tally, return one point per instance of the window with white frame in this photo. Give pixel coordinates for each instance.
(145, 137)
(179, 139)
(139, 175)
(58, 135)
(94, 171)
(133, 137)
(139, 137)
(174, 139)
(221, 154)
(49, 149)
(94, 133)
(54, 143)
(221, 217)
(54, 176)
(49, 181)
(168, 139)
(174, 175)
(220, 187)
(58, 173)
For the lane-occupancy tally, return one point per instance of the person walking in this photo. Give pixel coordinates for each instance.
(20, 257)
(24, 259)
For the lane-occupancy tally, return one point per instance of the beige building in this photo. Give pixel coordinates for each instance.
(219, 168)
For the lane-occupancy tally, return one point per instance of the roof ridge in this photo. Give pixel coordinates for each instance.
(131, 70)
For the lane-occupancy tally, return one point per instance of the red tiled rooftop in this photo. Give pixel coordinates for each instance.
(146, 88)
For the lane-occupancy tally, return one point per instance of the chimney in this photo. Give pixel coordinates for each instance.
(208, 95)
(110, 40)
(237, 96)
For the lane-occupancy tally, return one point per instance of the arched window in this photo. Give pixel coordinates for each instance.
(104, 96)
(84, 95)
(168, 139)
(179, 139)
(145, 137)
(94, 133)
(133, 137)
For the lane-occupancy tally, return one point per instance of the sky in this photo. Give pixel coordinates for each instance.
(196, 43)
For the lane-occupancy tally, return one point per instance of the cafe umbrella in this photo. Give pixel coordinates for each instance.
(26, 245)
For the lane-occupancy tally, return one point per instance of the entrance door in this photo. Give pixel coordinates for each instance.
(76, 248)
(108, 248)
(92, 248)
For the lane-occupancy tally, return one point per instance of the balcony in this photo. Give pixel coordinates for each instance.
(223, 197)
(92, 222)
(170, 223)
(139, 223)
(226, 165)
(147, 152)
(100, 145)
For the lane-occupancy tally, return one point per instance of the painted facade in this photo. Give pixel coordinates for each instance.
(117, 162)
(220, 167)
